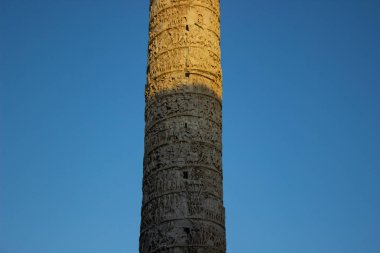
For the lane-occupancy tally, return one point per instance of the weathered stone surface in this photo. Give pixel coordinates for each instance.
(182, 207)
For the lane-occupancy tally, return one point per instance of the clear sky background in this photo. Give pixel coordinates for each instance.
(301, 125)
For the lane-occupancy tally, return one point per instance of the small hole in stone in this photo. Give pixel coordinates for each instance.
(187, 230)
(187, 27)
(185, 175)
(187, 74)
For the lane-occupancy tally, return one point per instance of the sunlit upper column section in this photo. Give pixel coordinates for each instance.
(184, 45)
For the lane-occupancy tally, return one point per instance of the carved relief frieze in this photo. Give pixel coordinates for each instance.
(174, 81)
(185, 104)
(184, 19)
(183, 154)
(158, 6)
(171, 39)
(189, 59)
(172, 131)
(210, 237)
(188, 179)
(175, 206)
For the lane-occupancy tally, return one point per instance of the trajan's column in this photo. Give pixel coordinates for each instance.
(182, 207)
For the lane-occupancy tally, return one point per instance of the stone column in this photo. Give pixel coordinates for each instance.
(182, 208)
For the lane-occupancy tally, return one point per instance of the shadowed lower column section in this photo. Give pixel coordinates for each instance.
(182, 207)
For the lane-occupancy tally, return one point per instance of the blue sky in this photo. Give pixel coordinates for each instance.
(301, 115)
